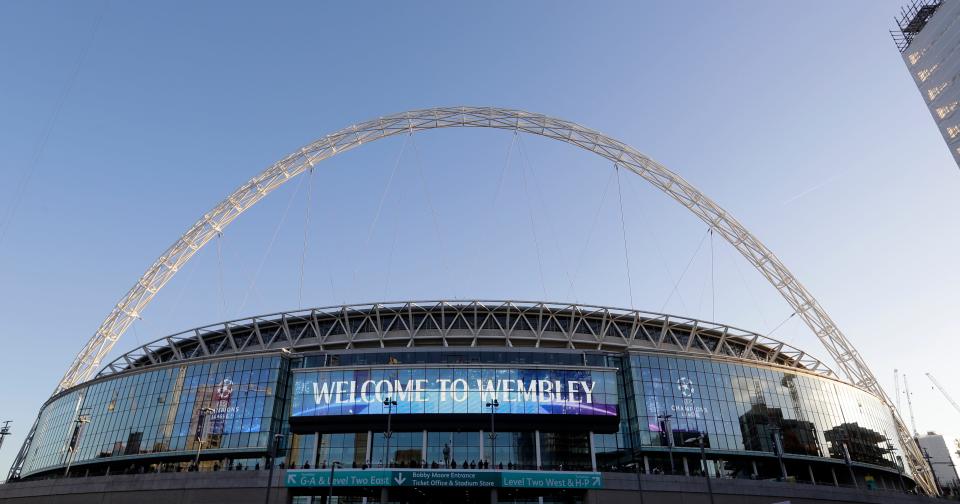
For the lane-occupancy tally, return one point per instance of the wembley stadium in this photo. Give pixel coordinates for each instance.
(467, 400)
(478, 387)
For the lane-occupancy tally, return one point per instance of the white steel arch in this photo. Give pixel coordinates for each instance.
(848, 360)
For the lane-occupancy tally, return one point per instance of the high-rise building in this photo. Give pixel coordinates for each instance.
(928, 37)
(935, 448)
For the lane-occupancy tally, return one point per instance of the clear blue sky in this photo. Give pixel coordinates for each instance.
(799, 118)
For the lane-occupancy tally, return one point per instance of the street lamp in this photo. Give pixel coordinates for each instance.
(201, 428)
(333, 465)
(272, 460)
(493, 405)
(703, 462)
(78, 423)
(389, 403)
(668, 431)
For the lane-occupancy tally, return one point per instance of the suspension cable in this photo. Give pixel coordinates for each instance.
(525, 158)
(781, 324)
(533, 229)
(306, 231)
(593, 226)
(756, 304)
(687, 268)
(492, 210)
(433, 211)
(183, 290)
(386, 188)
(136, 335)
(383, 197)
(6, 220)
(623, 230)
(713, 287)
(223, 297)
(273, 239)
(659, 250)
(396, 227)
(393, 246)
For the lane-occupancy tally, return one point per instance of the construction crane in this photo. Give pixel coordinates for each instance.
(896, 387)
(913, 421)
(943, 391)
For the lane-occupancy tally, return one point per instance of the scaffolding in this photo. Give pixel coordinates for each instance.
(912, 19)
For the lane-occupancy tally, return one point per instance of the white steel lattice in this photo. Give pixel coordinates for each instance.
(461, 323)
(212, 223)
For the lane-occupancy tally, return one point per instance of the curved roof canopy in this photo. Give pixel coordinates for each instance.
(480, 323)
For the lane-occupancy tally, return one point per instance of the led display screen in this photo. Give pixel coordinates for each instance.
(458, 391)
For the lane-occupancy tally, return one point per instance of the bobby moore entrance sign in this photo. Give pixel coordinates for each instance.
(461, 390)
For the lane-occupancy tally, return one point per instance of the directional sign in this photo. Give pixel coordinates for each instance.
(551, 479)
(341, 478)
(447, 478)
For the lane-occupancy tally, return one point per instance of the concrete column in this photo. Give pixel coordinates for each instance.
(833, 473)
(813, 479)
(755, 471)
(646, 465)
(593, 453)
(539, 462)
(686, 468)
(384, 496)
(481, 445)
(368, 457)
(493, 496)
(316, 450)
(423, 450)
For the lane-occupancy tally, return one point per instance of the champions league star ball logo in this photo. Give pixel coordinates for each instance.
(685, 386)
(224, 390)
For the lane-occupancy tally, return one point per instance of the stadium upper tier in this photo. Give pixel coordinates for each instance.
(477, 323)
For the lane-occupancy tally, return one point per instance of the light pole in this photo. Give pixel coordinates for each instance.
(668, 431)
(4, 431)
(849, 462)
(272, 460)
(493, 405)
(389, 403)
(638, 459)
(82, 418)
(778, 450)
(703, 462)
(201, 428)
(333, 465)
(896, 462)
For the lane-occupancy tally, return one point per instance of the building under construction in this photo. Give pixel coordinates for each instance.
(928, 36)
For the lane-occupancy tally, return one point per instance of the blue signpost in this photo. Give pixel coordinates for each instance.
(443, 478)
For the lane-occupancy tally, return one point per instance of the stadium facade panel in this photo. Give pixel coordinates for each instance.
(494, 386)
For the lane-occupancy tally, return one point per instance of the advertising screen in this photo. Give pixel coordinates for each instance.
(456, 391)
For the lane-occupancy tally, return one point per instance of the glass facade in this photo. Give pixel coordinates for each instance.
(738, 407)
(160, 412)
(603, 411)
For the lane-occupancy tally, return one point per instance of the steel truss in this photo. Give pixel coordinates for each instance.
(850, 363)
(460, 324)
